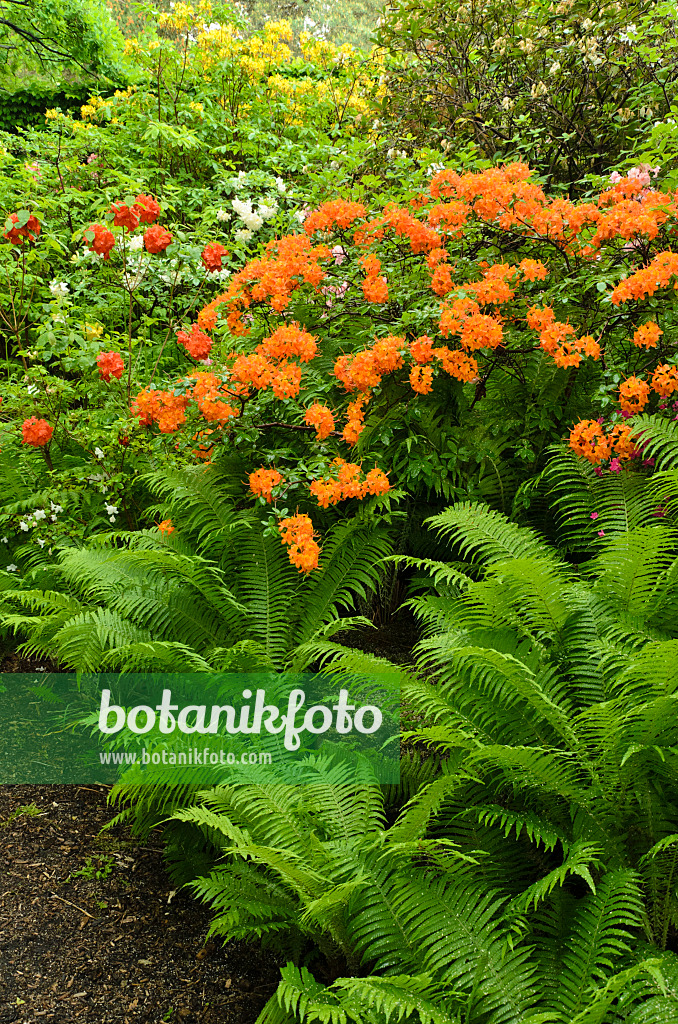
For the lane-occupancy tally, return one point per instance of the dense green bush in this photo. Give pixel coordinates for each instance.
(560, 85)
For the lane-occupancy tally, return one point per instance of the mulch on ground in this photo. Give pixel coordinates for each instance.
(91, 930)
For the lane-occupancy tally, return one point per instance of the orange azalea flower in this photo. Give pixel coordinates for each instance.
(298, 533)
(665, 380)
(320, 417)
(647, 336)
(633, 394)
(262, 481)
(166, 527)
(421, 379)
(587, 438)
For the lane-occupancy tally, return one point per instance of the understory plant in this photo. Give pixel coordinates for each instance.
(211, 590)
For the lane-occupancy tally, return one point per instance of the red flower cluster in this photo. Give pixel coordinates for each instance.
(36, 432)
(31, 229)
(110, 365)
(212, 256)
(156, 239)
(146, 208)
(196, 342)
(125, 216)
(102, 240)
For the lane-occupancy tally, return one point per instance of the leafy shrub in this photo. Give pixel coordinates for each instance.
(562, 86)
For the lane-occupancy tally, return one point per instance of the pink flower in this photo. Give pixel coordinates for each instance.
(615, 466)
(648, 462)
(626, 414)
(339, 254)
(600, 419)
(601, 533)
(594, 515)
(598, 471)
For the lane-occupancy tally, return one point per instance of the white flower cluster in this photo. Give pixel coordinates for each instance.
(59, 289)
(253, 220)
(396, 154)
(33, 518)
(111, 512)
(223, 215)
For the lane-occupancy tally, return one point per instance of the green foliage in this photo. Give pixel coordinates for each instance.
(68, 39)
(219, 593)
(565, 88)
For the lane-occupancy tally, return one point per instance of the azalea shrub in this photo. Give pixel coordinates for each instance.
(481, 303)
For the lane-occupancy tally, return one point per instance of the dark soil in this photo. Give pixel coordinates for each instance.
(91, 927)
(91, 930)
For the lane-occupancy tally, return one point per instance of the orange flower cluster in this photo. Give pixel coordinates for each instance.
(494, 288)
(320, 417)
(441, 280)
(451, 216)
(453, 315)
(665, 380)
(339, 212)
(364, 370)
(588, 439)
(403, 224)
(288, 263)
(620, 441)
(634, 395)
(36, 432)
(355, 422)
(630, 217)
(166, 527)
(287, 342)
(421, 379)
(480, 331)
(647, 280)
(262, 481)
(647, 336)
(208, 392)
(297, 532)
(269, 365)
(347, 481)
(110, 365)
(196, 342)
(375, 288)
(15, 235)
(421, 349)
(161, 407)
(559, 340)
(533, 270)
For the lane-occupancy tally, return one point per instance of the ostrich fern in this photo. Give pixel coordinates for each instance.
(219, 593)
